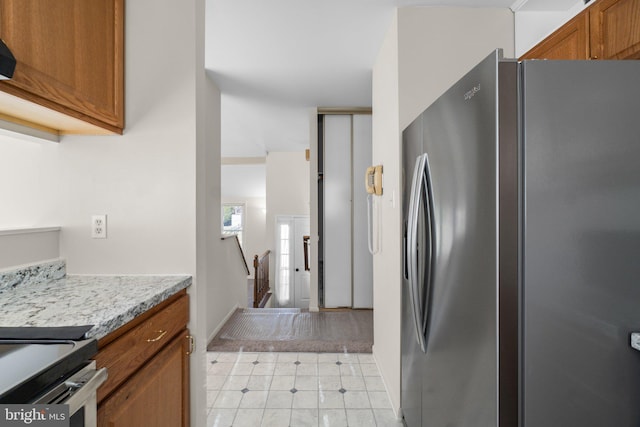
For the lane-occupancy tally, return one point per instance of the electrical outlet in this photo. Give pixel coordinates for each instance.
(99, 226)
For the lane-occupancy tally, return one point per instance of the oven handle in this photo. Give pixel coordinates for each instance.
(77, 392)
(86, 391)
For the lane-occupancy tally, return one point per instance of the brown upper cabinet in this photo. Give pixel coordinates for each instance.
(615, 29)
(571, 41)
(69, 76)
(608, 29)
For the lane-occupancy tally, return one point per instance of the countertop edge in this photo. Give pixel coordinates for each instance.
(101, 330)
(105, 301)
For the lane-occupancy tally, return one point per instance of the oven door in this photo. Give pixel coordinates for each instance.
(79, 393)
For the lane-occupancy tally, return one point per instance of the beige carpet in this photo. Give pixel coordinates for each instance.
(273, 329)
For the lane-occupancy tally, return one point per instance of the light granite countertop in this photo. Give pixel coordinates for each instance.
(107, 302)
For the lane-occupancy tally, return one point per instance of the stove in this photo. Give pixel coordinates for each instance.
(30, 367)
(51, 371)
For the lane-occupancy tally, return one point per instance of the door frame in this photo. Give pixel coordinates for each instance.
(318, 160)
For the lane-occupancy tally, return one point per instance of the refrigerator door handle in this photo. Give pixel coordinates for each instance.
(635, 340)
(429, 212)
(412, 249)
(405, 265)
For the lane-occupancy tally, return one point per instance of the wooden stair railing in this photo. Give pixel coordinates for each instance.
(261, 287)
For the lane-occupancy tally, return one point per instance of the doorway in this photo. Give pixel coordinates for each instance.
(292, 287)
(345, 264)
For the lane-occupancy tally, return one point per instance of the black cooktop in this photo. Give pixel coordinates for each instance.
(73, 333)
(31, 366)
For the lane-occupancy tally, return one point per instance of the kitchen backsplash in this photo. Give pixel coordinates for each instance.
(32, 273)
(26, 246)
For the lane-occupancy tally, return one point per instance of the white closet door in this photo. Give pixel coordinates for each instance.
(337, 211)
(362, 259)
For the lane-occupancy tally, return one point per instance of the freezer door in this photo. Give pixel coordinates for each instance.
(412, 355)
(460, 366)
(581, 243)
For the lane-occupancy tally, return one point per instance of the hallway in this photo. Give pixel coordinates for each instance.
(296, 389)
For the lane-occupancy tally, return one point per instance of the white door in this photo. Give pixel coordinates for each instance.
(337, 211)
(347, 270)
(292, 281)
(302, 276)
(362, 258)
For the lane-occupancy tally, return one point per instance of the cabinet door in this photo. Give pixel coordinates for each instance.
(157, 395)
(362, 258)
(571, 41)
(615, 29)
(69, 56)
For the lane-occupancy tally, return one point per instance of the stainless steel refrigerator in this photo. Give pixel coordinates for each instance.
(522, 248)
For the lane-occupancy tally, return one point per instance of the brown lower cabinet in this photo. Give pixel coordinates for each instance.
(148, 364)
(154, 396)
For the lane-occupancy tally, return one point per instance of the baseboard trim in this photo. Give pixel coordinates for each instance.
(396, 411)
(221, 324)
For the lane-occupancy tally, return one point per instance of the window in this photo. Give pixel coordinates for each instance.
(233, 220)
(283, 259)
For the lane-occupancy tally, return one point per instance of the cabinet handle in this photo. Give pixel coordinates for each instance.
(159, 337)
(192, 344)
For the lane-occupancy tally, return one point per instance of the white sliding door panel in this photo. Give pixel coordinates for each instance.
(337, 211)
(362, 259)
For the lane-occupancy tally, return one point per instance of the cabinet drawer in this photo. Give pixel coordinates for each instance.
(126, 354)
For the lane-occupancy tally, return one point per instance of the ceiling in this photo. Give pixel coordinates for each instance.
(274, 60)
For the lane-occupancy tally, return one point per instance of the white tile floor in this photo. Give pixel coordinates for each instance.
(296, 389)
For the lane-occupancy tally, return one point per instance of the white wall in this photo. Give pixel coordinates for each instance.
(27, 246)
(423, 54)
(150, 182)
(230, 287)
(30, 188)
(434, 53)
(143, 180)
(386, 211)
(254, 232)
(245, 183)
(244, 180)
(287, 188)
(287, 193)
(532, 26)
(207, 305)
